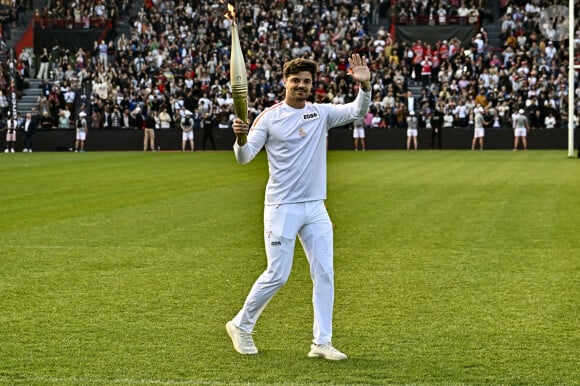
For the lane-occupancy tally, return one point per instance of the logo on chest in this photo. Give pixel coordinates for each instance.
(310, 116)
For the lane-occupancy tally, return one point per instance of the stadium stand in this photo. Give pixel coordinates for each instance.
(175, 55)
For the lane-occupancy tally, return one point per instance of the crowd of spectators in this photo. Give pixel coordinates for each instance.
(442, 12)
(176, 59)
(11, 16)
(81, 14)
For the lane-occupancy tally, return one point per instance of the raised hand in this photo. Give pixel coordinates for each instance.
(360, 71)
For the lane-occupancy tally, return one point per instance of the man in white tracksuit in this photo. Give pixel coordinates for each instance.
(294, 135)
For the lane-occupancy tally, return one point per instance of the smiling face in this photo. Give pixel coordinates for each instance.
(298, 89)
(298, 78)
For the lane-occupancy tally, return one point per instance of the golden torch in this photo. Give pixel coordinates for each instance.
(238, 76)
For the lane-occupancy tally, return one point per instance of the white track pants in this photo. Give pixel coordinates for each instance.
(43, 71)
(282, 223)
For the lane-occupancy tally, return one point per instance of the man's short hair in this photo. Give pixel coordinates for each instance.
(297, 65)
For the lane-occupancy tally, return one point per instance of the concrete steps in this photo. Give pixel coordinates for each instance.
(493, 27)
(30, 97)
(415, 87)
(493, 34)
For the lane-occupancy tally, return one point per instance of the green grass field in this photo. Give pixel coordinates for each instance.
(452, 268)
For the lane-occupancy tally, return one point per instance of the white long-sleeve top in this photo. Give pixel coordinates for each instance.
(295, 141)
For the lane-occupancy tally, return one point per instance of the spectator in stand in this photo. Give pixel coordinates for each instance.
(481, 98)
(164, 119)
(441, 14)
(102, 48)
(480, 43)
(116, 118)
(137, 118)
(550, 121)
(411, 102)
(402, 114)
(426, 69)
(461, 114)
(418, 52)
(463, 12)
(54, 105)
(4, 104)
(127, 120)
(448, 118)
(63, 118)
(44, 65)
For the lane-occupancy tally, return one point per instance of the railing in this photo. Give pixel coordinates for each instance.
(437, 20)
(45, 22)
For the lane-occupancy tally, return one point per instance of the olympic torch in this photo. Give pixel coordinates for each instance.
(238, 76)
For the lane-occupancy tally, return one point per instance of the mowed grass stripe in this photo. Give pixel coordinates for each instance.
(82, 188)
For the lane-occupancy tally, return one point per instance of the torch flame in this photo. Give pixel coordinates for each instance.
(230, 13)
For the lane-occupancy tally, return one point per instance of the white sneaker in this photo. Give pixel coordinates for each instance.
(11, 150)
(325, 351)
(243, 342)
(7, 151)
(25, 150)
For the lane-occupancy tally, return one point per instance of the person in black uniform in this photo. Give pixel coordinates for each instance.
(437, 124)
(29, 127)
(207, 124)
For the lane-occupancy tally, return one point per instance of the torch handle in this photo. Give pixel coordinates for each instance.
(240, 97)
(239, 94)
(242, 139)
